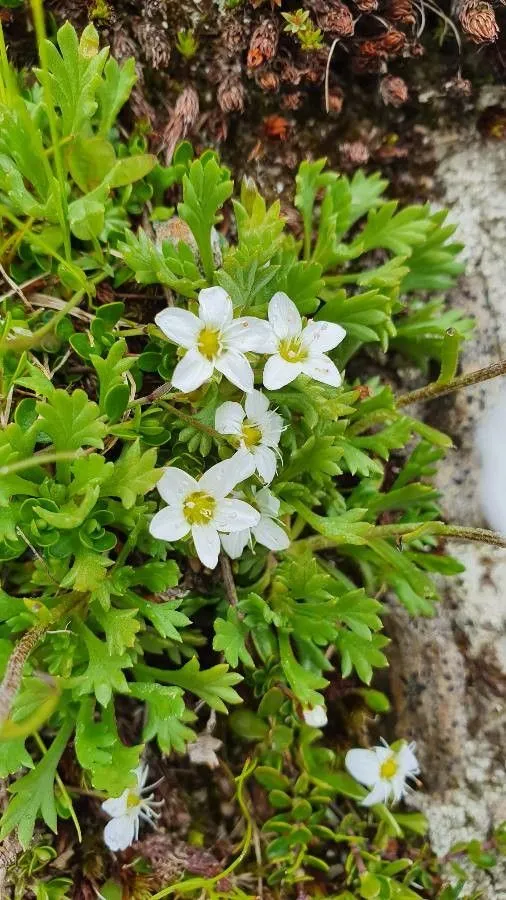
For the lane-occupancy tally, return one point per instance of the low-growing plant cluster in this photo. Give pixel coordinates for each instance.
(142, 348)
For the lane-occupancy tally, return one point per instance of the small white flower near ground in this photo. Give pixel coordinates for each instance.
(203, 507)
(202, 752)
(257, 428)
(295, 350)
(266, 531)
(127, 812)
(384, 770)
(316, 717)
(213, 340)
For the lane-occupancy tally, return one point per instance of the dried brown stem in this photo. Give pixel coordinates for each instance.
(430, 391)
(228, 579)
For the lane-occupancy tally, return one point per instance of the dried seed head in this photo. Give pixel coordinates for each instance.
(338, 21)
(392, 43)
(460, 87)
(292, 101)
(290, 73)
(154, 43)
(355, 153)
(183, 118)
(231, 94)
(479, 22)
(268, 81)
(400, 11)
(335, 100)
(393, 90)
(368, 65)
(276, 127)
(366, 6)
(234, 37)
(263, 43)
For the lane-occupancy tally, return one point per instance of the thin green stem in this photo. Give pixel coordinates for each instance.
(42, 747)
(39, 459)
(194, 422)
(40, 31)
(408, 531)
(27, 342)
(438, 389)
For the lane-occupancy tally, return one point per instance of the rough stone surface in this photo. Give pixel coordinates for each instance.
(466, 644)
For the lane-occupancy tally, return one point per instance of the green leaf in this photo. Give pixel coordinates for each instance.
(129, 169)
(361, 654)
(206, 187)
(34, 793)
(71, 420)
(99, 750)
(167, 716)
(121, 627)
(74, 75)
(113, 91)
(87, 571)
(395, 231)
(165, 617)
(213, 685)
(170, 265)
(112, 369)
(230, 637)
(133, 476)
(13, 757)
(90, 160)
(104, 671)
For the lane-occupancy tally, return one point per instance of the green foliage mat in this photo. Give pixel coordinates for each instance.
(97, 613)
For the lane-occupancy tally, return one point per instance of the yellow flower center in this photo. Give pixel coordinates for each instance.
(251, 434)
(292, 350)
(389, 768)
(133, 800)
(198, 508)
(209, 342)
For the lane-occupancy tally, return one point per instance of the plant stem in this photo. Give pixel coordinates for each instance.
(438, 389)
(15, 665)
(27, 342)
(410, 531)
(40, 30)
(40, 459)
(194, 422)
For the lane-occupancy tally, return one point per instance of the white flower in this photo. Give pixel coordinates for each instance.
(258, 429)
(384, 770)
(317, 716)
(203, 507)
(296, 350)
(127, 811)
(213, 340)
(203, 751)
(266, 531)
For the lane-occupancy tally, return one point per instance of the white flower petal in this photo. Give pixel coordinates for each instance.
(235, 515)
(175, 485)
(179, 325)
(397, 786)
(215, 307)
(256, 405)
(321, 368)
(249, 333)
(267, 502)
(234, 544)
(191, 371)
(272, 426)
(363, 766)
(207, 544)
(284, 316)
(116, 806)
(379, 794)
(270, 534)
(265, 463)
(408, 763)
(119, 833)
(229, 418)
(317, 716)
(169, 524)
(278, 372)
(234, 366)
(320, 337)
(222, 478)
